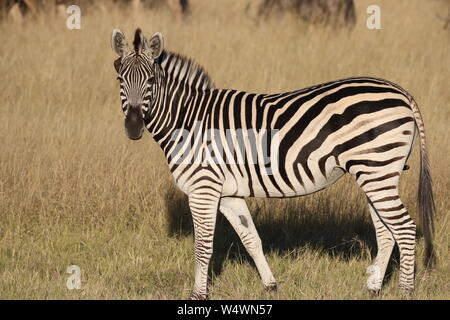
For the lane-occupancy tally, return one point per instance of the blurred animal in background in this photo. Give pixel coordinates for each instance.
(179, 8)
(17, 10)
(446, 19)
(332, 12)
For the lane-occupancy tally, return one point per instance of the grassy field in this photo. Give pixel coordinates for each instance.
(75, 190)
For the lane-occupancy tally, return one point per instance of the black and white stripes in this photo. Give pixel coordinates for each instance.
(224, 145)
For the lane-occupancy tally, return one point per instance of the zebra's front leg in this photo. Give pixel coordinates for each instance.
(237, 213)
(385, 244)
(203, 205)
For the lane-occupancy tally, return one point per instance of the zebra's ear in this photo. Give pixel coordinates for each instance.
(155, 45)
(145, 45)
(118, 43)
(117, 64)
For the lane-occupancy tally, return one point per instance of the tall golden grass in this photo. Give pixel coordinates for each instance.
(75, 190)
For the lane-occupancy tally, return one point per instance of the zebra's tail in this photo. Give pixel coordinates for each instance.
(425, 193)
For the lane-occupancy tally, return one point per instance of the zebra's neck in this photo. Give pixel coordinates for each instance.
(181, 81)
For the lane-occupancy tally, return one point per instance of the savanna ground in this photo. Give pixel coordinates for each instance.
(75, 190)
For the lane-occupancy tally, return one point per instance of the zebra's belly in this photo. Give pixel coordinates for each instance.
(271, 186)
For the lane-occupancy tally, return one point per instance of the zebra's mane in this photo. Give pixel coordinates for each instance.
(186, 70)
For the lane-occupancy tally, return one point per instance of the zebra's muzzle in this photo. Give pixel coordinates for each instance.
(134, 124)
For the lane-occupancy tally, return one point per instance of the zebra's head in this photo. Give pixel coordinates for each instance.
(139, 77)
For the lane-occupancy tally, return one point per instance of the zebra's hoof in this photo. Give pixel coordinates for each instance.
(374, 281)
(373, 293)
(271, 287)
(407, 292)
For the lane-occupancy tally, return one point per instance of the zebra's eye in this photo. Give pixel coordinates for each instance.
(151, 80)
(119, 78)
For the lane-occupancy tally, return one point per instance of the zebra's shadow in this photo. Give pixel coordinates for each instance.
(327, 231)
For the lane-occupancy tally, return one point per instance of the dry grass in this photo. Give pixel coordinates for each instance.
(75, 190)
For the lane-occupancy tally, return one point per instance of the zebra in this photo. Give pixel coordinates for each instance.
(363, 126)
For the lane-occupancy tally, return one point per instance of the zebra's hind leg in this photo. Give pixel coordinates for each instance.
(385, 244)
(392, 213)
(237, 213)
